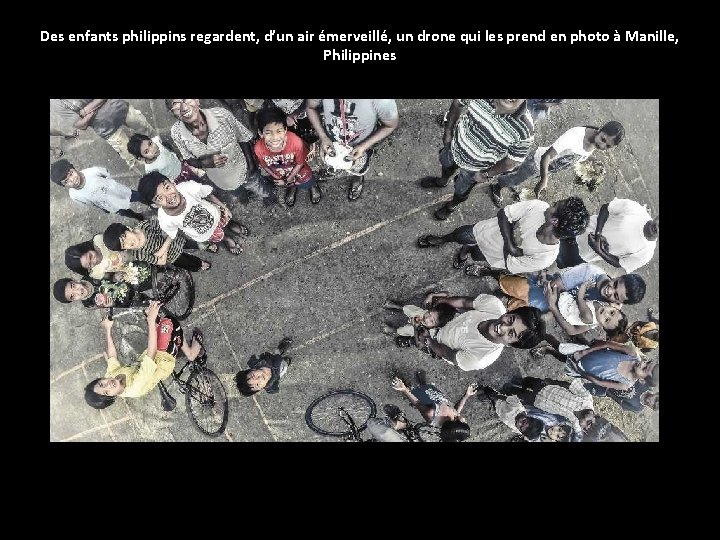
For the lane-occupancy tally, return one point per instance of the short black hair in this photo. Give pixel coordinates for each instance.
(59, 290)
(59, 171)
(445, 313)
(111, 236)
(572, 218)
(534, 428)
(565, 437)
(95, 400)
(242, 384)
(271, 115)
(73, 254)
(634, 288)
(454, 431)
(535, 333)
(147, 187)
(133, 145)
(615, 130)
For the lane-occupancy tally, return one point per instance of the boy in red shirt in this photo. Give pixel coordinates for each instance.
(284, 156)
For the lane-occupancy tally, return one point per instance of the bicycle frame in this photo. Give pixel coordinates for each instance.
(345, 416)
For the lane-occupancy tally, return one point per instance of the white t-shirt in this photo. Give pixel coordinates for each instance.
(569, 148)
(529, 215)
(200, 217)
(102, 190)
(624, 233)
(569, 309)
(167, 163)
(474, 351)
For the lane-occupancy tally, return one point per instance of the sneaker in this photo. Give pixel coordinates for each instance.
(444, 212)
(432, 182)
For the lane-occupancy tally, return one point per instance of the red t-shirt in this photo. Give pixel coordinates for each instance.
(282, 163)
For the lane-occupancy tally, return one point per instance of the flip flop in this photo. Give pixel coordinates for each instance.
(458, 263)
(356, 190)
(477, 269)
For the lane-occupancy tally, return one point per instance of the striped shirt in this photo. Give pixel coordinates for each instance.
(154, 238)
(482, 138)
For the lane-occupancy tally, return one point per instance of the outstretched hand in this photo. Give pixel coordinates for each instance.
(398, 385)
(471, 389)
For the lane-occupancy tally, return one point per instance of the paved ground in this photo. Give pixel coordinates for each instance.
(320, 274)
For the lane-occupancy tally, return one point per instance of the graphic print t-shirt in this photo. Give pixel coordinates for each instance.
(355, 120)
(200, 217)
(283, 162)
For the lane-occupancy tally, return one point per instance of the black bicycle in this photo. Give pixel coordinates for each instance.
(175, 286)
(345, 413)
(205, 397)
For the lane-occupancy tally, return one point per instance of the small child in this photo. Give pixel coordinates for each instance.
(157, 157)
(434, 317)
(265, 371)
(283, 155)
(575, 145)
(95, 187)
(192, 208)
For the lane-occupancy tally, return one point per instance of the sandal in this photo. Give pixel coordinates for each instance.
(458, 263)
(538, 352)
(424, 242)
(239, 229)
(290, 194)
(356, 189)
(477, 269)
(404, 341)
(496, 195)
(212, 248)
(235, 248)
(315, 194)
(205, 266)
(197, 335)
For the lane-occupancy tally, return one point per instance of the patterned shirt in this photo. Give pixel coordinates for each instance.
(558, 400)
(483, 138)
(154, 238)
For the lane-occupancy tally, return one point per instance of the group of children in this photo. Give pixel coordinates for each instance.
(190, 216)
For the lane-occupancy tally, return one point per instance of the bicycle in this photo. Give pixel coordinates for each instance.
(206, 400)
(177, 289)
(345, 413)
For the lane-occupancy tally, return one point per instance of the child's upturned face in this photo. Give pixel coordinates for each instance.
(556, 433)
(108, 387)
(275, 136)
(149, 151)
(167, 195)
(608, 317)
(257, 379)
(89, 259)
(603, 141)
(73, 179)
(78, 290)
(431, 319)
(132, 239)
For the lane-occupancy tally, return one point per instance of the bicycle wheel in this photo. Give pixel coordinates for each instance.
(206, 402)
(427, 433)
(322, 416)
(176, 287)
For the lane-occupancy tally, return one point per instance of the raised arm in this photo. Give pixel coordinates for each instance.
(471, 391)
(458, 302)
(111, 351)
(151, 316)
